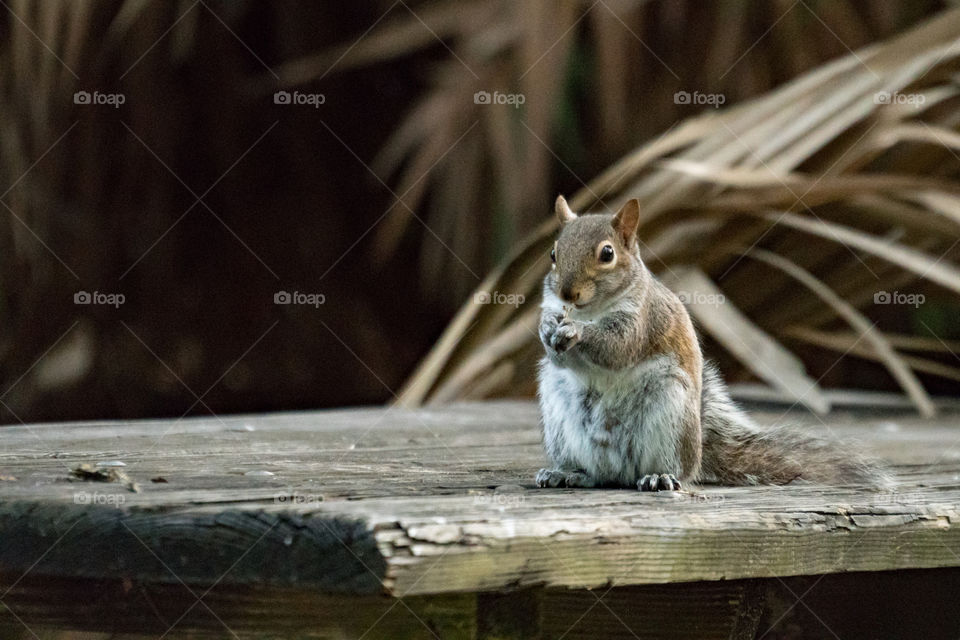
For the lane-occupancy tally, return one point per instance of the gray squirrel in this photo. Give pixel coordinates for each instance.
(625, 395)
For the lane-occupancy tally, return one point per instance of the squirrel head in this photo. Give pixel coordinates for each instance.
(595, 256)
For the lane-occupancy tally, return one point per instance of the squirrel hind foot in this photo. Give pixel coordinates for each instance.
(659, 482)
(555, 478)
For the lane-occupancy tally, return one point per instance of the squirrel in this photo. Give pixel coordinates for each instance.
(625, 394)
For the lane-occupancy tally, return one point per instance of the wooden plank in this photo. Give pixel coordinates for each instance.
(439, 501)
(706, 611)
(146, 610)
(858, 606)
(868, 401)
(852, 606)
(227, 546)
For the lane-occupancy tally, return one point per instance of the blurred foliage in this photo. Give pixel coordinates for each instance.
(393, 199)
(804, 211)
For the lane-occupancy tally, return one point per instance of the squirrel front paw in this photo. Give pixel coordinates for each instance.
(567, 335)
(658, 482)
(548, 327)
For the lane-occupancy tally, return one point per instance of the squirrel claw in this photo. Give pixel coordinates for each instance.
(566, 335)
(550, 478)
(658, 482)
(569, 479)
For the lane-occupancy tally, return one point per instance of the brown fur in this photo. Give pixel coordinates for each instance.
(717, 442)
(670, 331)
(578, 276)
(620, 340)
(676, 335)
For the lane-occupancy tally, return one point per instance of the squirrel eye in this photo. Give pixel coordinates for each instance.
(553, 256)
(606, 253)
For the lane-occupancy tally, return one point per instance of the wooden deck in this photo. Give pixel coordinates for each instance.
(270, 524)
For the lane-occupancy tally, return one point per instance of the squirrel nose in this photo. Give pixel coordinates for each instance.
(569, 295)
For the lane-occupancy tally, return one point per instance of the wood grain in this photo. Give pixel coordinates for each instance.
(440, 501)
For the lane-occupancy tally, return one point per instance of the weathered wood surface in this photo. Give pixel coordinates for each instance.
(438, 501)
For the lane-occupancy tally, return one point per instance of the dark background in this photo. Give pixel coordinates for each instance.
(296, 198)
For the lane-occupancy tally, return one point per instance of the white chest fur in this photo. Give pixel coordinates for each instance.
(615, 425)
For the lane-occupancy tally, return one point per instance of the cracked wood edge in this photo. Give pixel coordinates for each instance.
(424, 557)
(442, 545)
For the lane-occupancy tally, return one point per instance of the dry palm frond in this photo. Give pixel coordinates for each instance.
(597, 78)
(849, 343)
(843, 180)
(864, 328)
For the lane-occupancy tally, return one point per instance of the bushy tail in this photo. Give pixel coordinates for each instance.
(736, 451)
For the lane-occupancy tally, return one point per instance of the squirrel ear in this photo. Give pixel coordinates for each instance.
(564, 214)
(626, 221)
